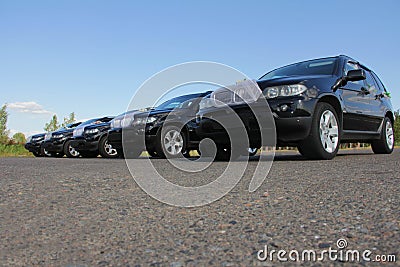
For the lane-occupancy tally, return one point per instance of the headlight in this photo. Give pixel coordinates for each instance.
(284, 90)
(57, 136)
(143, 120)
(78, 132)
(151, 119)
(139, 121)
(206, 103)
(29, 139)
(35, 139)
(92, 131)
(116, 123)
(47, 136)
(126, 121)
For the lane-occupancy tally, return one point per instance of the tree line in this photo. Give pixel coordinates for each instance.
(19, 138)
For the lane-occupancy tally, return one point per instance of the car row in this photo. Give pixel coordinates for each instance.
(315, 106)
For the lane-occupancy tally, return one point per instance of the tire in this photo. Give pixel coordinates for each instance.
(252, 151)
(46, 153)
(171, 142)
(70, 151)
(106, 150)
(324, 139)
(223, 154)
(37, 154)
(152, 153)
(120, 153)
(385, 144)
(89, 154)
(186, 154)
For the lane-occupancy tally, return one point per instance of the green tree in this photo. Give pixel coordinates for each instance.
(3, 124)
(397, 128)
(52, 125)
(19, 138)
(68, 120)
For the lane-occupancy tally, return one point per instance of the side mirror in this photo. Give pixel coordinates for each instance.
(352, 76)
(355, 75)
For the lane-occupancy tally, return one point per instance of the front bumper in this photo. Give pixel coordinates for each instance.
(292, 125)
(133, 137)
(81, 144)
(56, 146)
(33, 147)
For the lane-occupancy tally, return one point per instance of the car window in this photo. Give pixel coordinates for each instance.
(352, 66)
(176, 102)
(107, 119)
(311, 67)
(88, 122)
(187, 104)
(379, 82)
(370, 83)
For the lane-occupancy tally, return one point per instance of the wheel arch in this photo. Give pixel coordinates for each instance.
(390, 115)
(176, 124)
(105, 134)
(335, 103)
(65, 142)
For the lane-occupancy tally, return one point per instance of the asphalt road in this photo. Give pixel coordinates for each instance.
(90, 212)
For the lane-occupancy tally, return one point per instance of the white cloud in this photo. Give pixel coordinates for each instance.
(28, 107)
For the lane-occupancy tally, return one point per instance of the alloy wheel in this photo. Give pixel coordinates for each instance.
(329, 131)
(389, 134)
(73, 151)
(47, 153)
(173, 142)
(252, 151)
(109, 149)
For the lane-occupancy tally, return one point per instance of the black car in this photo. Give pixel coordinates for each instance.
(34, 144)
(316, 105)
(167, 129)
(57, 143)
(90, 139)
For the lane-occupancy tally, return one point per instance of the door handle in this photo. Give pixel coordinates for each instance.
(365, 91)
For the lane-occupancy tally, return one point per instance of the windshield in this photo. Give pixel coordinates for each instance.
(176, 102)
(72, 125)
(89, 122)
(324, 66)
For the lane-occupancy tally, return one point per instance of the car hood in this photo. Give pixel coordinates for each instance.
(289, 80)
(99, 125)
(38, 135)
(64, 131)
(153, 112)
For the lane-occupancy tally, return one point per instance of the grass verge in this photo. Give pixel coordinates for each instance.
(14, 150)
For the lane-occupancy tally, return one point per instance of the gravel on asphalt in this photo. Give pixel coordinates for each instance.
(90, 212)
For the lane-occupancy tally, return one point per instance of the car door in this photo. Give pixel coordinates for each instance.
(375, 112)
(356, 102)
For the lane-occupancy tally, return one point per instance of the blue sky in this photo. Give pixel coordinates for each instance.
(90, 56)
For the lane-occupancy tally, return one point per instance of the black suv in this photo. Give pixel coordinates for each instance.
(167, 129)
(34, 144)
(57, 143)
(90, 139)
(316, 105)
